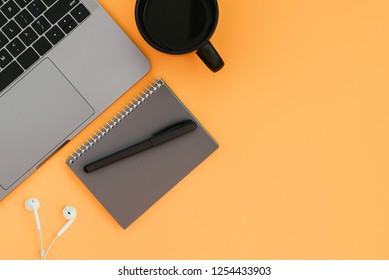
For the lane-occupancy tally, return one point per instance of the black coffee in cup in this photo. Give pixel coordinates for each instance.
(180, 26)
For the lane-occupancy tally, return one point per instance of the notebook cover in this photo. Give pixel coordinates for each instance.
(129, 187)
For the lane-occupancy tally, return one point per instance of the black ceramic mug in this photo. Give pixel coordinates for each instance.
(180, 26)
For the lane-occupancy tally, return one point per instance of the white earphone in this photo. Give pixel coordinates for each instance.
(32, 205)
(69, 213)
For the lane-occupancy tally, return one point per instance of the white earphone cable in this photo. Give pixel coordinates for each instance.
(41, 243)
(51, 245)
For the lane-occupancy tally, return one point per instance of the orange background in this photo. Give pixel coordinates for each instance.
(301, 113)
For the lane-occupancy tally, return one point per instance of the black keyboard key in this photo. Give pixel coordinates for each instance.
(60, 9)
(67, 24)
(80, 13)
(70, 27)
(54, 35)
(28, 36)
(16, 47)
(65, 21)
(10, 9)
(42, 46)
(5, 58)
(24, 18)
(3, 20)
(49, 2)
(28, 58)
(9, 74)
(41, 25)
(3, 40)
(22, 3)
(36, 8)
(11, 29)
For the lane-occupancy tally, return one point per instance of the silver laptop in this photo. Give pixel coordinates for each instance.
(62, 63)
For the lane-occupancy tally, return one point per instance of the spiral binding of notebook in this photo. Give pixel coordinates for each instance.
(116, 120)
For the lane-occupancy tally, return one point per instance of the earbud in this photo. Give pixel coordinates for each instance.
(70, 214)
(32, 205)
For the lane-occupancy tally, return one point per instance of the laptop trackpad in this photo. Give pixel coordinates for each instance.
(36, 116)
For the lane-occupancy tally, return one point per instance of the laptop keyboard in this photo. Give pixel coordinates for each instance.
(30, 28)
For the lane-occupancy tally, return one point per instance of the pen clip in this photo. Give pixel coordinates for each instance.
(175, 126)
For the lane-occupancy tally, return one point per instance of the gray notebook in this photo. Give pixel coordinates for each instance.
(129, 187)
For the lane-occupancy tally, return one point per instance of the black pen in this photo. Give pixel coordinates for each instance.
(169, 133)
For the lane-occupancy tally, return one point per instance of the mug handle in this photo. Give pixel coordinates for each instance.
(210, 57)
